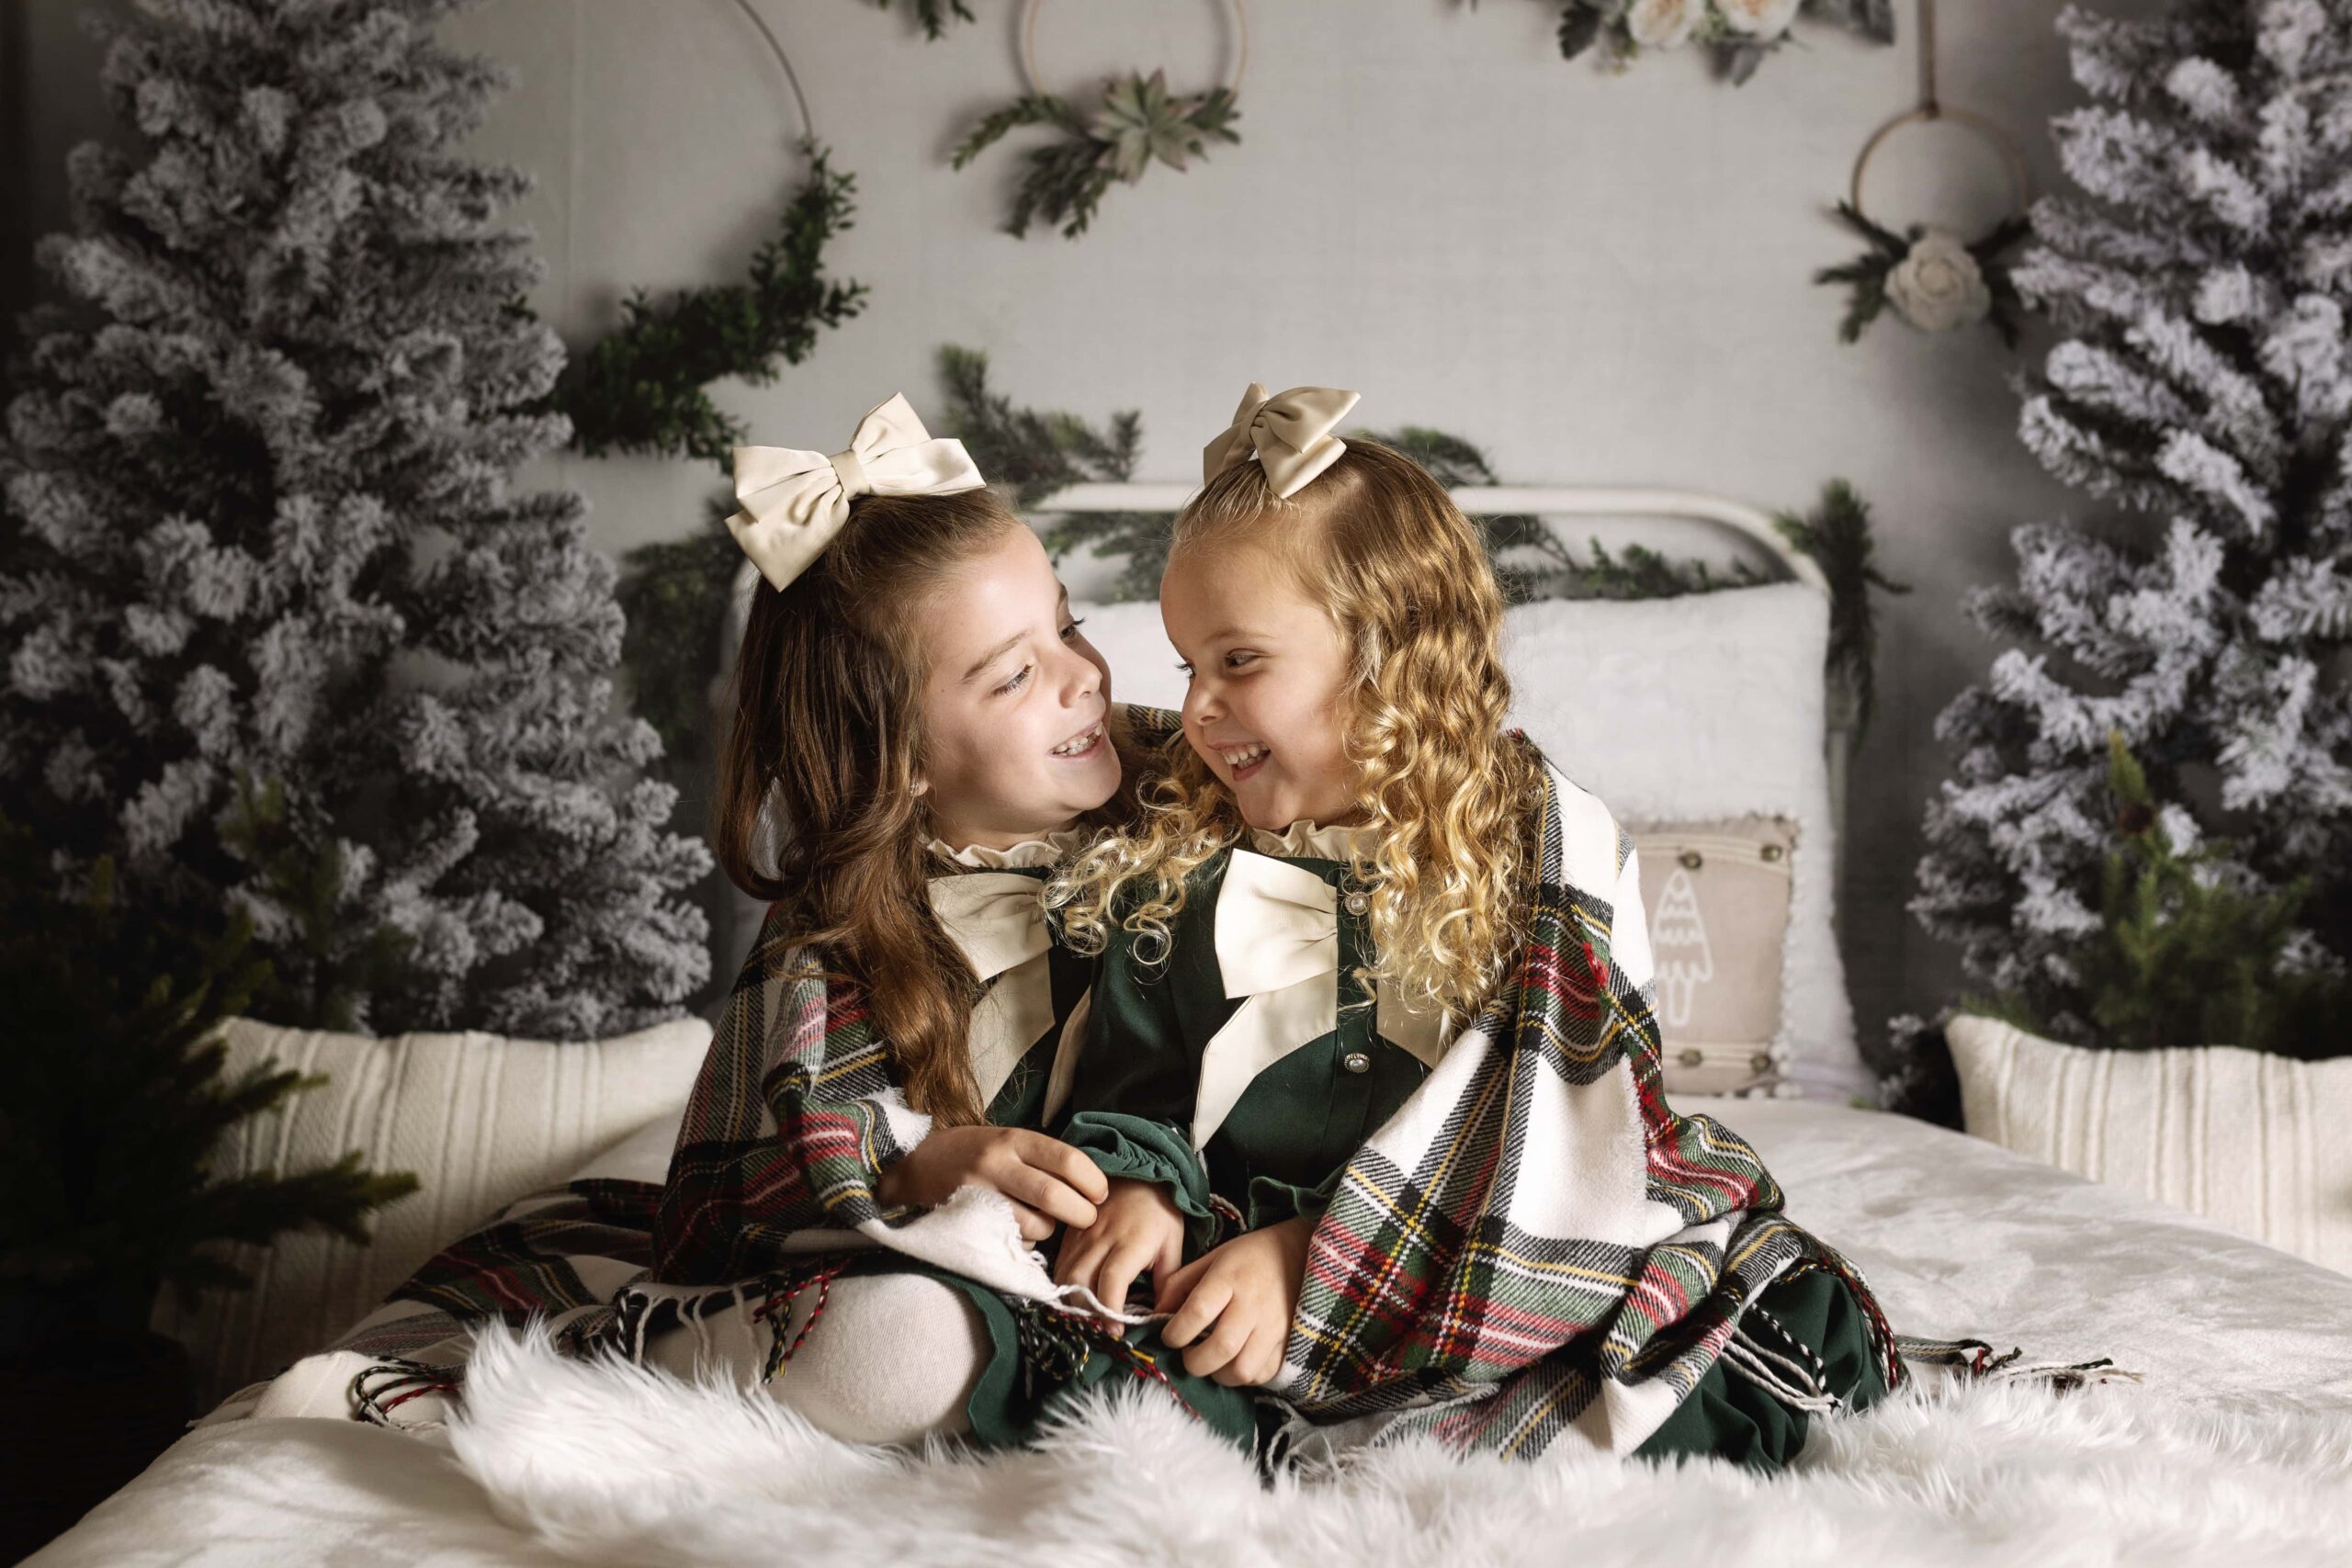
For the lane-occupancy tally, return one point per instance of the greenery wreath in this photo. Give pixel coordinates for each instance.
(1934, 280)
(644, 386)
(1138, 122)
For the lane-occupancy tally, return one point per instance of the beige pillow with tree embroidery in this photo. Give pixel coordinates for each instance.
(1717, 896)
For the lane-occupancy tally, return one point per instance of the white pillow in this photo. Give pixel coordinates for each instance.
(2252, 1141)
(480, 1120)
(1709, 707)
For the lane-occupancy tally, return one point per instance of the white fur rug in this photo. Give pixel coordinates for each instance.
(606, 1463)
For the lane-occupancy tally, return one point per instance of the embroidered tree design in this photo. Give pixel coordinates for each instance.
(1678, 947)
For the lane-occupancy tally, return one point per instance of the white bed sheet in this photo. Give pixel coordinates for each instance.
(1957, 1235)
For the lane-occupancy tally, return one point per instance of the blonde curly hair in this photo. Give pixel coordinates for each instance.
(1449, 795)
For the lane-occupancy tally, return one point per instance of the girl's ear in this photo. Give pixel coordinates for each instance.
(920, 787)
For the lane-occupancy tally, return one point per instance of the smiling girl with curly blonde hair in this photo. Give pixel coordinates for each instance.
(1371, 1042)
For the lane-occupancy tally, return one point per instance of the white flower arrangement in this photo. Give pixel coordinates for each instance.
(1737, 33)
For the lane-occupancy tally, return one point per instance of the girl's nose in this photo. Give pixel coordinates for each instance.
(1081, 679)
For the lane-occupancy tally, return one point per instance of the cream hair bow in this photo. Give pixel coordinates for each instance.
(1289, 432)
(793, 501)
(1278, 945)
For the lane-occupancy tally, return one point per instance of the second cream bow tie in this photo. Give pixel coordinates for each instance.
(1290, 433)
(997, 920)
(795, 502)
(1278, 945)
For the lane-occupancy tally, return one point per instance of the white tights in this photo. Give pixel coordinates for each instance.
(893, 1362)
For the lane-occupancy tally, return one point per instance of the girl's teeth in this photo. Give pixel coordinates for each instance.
(1244, 757)
(1073, 748)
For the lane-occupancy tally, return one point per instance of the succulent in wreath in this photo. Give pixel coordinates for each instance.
(1139, 121)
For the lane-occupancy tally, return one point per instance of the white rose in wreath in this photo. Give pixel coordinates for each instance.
(1759, 18)
(1938, 285)
(1664, 24)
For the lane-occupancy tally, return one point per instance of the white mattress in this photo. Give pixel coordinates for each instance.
(1958, 1237)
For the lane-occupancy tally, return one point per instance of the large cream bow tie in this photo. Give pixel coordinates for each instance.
(1278, 945)
(1289, 432)
(793, 501)
(998, 921)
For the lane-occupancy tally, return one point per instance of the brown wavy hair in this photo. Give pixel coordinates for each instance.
(1449, 795)
(828, 714)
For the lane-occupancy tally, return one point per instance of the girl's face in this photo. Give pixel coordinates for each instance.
(1266, 707)
(1013, 701)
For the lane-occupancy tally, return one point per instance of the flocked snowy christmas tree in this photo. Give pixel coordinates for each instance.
(2201, 276)
(258, 522)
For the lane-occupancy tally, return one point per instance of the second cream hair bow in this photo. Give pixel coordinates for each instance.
(795, 502)
(1278, 945)
(1290, 433)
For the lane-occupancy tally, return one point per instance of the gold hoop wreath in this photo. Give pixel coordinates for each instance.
(1137, 122)
(1931, 277)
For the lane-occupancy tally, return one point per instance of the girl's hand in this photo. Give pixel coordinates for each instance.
(1136, 1230)
(1048, 1183)
(1242, 1295)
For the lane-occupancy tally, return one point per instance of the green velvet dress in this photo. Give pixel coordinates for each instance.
(1280, 1150)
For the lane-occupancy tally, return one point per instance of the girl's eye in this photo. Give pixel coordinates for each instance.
(1070, 630)
(1237, 660)
(1185, 666)
(1018, 681)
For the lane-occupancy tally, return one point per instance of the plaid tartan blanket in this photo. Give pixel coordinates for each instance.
(1537, 1244)
(560, 1256)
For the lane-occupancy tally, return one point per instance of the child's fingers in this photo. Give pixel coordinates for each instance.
(1258, 1361)
(1203, 1301)
(1066, 1165)
(1214, 1355)
(1177, 1285)
(1169, 1258)
(1049, 1195)
(1117, 1275)
(1035, 1226)
(1080, 1253)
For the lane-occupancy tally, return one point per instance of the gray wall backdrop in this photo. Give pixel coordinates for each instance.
(1600, 279)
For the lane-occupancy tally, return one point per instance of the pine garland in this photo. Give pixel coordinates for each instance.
(676, 594)
(644, 388)
(1837, 534)
(1040, 452)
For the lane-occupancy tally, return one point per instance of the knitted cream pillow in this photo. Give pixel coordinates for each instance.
(480, 1120)
(2253, 1141)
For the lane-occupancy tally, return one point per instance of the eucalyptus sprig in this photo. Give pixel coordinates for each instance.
(1139, 123)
